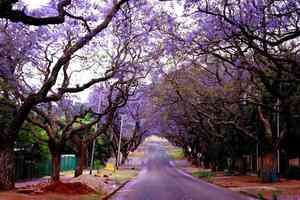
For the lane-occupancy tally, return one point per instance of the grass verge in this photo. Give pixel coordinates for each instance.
(206, 175)
(119, 176)
(138, 154)
(91, 197)
(176, 154)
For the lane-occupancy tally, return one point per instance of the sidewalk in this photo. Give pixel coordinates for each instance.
(250, 185)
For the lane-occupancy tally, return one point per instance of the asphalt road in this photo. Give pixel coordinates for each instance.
(160, 180)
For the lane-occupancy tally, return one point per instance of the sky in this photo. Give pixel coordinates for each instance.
(34, 4)
(174, 6)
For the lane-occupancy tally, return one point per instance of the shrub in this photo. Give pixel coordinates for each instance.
(270, 176)
(293, 172)
(274, 196)
(98, 165)
(227, 172)
(260, 196)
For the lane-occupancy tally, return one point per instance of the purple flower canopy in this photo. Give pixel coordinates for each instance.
(97, 99)
(151, 35)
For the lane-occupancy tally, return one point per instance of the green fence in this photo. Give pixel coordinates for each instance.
(67, 162)
(26, 169)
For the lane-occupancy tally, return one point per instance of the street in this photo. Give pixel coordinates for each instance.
(160, 180)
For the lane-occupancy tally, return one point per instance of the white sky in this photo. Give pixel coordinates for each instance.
(174, 6)
(34, 4)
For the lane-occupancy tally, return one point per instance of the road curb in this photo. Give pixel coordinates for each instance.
(115, 191)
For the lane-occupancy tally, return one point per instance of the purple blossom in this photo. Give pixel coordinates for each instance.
(190, 37)
(237, 62)
(170, 23)
(169, 47)
(97, 97)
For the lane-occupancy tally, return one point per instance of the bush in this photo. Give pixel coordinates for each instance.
(227, 172)
(270, 176)
(260, 196)
(98, 165)
(293, 172)
(274, 196)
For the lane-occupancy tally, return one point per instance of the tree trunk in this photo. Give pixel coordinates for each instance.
(206, 161)
(116, 160)
(55, 170)
(55, 148)
(81, 159)
(124, 157)
(8, 137)
(7, 167)
(213, 166)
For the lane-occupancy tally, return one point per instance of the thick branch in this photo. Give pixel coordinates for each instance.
(7, 12)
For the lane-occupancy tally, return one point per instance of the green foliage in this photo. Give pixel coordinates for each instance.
(260, 196)
(293, 172)
(44, 168)
(103, 149)
(6, 112)
(98, 165)
(86, 119)
(30, 134)
(274, 196)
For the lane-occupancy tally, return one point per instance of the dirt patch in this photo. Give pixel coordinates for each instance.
(13, 195)
(68, 188)
(283, 189)
(237, 181)
(99, 184)
(246, 181)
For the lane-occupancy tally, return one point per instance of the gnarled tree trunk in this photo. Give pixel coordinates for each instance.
(55, 150)
(7, 167)
(81, 159)
(55, 168)
(8, 136)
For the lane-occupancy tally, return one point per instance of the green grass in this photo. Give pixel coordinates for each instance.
(56, 198)
(91, 197)
(124, 175)
(206, 175)
(176, 154)
(119, 176)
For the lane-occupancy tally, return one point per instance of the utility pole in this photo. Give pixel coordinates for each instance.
(278, 133)
(257, 158)
(119, 145)
(94, 141)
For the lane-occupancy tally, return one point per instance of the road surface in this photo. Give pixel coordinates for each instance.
(160, 180)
